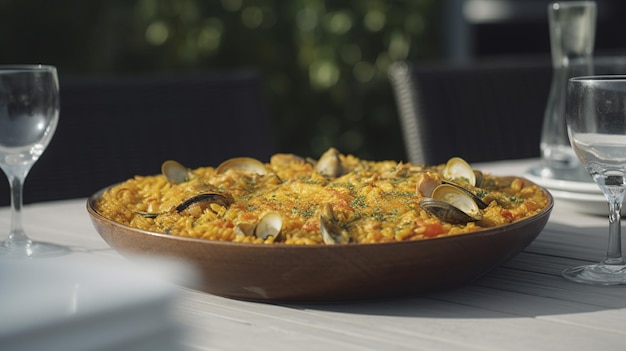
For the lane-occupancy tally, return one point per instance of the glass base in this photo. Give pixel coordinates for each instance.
(597, 274)
(32, 249)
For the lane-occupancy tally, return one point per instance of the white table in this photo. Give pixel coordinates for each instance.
(523, 305)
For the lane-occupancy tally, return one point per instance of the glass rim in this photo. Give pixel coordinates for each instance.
(13, 68)
(598, 60)
(600, 78)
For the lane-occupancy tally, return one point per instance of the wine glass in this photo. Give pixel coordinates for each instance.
(596, 123)
(29, 112)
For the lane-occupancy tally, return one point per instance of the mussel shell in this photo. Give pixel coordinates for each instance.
(445, 211)
(206, 199)
(147, 214)
(216, 198)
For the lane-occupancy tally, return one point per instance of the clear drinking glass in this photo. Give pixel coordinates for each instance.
(596, 122)
(29, 112)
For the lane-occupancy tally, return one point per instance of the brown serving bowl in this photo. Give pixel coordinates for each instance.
(315, 273)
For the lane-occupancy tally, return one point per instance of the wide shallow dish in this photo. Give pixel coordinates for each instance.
(578, 196)
(585, 187)
(281, 272)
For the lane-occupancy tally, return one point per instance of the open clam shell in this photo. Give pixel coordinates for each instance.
(481, 204)
(452, 204)
(247, 164)
(175, 172)
(446, 212)
(330, 164)
(457, 167)
(269, 225)
(332, 233)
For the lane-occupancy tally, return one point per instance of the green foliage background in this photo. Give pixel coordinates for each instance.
(324, 63)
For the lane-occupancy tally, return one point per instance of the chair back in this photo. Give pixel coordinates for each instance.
(481, 112)
(111, 129)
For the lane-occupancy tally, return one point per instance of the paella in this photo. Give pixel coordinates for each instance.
(338, 199)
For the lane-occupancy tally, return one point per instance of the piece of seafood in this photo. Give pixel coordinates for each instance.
(452, 204)
(269, 225)
(479, 202)
(176, 173)
(458, 168)
(455, 170)
(203, 201)
(287, 160)
(332, 233)
(426, 184)
(247, 164)
(330, 164)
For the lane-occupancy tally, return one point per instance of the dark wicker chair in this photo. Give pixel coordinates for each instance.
(111, 129)
(481, 112)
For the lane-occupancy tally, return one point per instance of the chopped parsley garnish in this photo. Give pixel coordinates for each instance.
(359, 202)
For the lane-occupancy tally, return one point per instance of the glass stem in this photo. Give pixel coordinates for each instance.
(614, 251)
(17, 237)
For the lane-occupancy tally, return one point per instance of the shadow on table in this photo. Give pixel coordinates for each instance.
(477, 301)
(529, 285)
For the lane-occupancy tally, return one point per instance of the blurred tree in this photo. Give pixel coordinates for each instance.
(324, 62)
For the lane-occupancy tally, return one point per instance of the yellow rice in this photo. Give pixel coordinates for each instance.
(373, 201)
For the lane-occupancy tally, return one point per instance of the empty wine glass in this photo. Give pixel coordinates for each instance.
(29, 112)
(596, 121)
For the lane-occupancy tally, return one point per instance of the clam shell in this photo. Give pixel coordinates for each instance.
(445, 211)
(458, 198)
(247, 164)
(330, 164)
(332, 233)
(245, 229)
(481, 204)
(175, 172)
(456, 167)
(269, 225)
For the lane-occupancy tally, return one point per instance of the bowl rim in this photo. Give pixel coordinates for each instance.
(482, 232)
